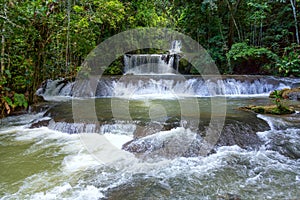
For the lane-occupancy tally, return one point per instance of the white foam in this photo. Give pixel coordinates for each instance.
(118, 128)
(117, 140)
(53, 194)
(78, 162)
(90, 192)
(279, 122)
(57, 98)
(43, 133)
(67, 192)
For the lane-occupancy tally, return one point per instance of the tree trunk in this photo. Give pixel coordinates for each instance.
(232, 22)
(230, 34)
(2, 50)
(293, 3)
(68, 38)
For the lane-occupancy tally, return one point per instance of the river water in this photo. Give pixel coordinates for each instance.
(51, 163)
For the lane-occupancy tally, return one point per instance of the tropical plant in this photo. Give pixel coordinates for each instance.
(290, 62)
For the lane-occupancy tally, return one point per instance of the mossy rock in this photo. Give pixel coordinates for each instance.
(286, 93)
(272, 109)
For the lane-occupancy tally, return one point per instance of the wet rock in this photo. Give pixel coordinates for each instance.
(40, 107)
(149, 129)
(284, 143)
(140, 187)
(186, 143)
(169, 144)
(242, 134)
(295, 85)
(286, 93)
(171, 123)
(40, 122)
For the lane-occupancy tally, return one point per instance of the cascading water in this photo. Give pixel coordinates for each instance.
(256, 157)
(44, 164)
(154, 63)
(156, 86)
(147, 64)
(175, 47)
(194, 86)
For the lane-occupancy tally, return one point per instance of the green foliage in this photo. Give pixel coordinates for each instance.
(115, 68)
(18, 100)
(270, 109)
(290, 62)
(278, 96)
(241, 55)
(50, 39)
(150, 13)
(243, 51)
(8, 101)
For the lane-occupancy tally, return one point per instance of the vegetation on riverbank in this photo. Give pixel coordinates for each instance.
(270, 109)
(279, 107)
(42, 39)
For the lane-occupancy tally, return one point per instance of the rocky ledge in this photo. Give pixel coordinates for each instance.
(286, 93)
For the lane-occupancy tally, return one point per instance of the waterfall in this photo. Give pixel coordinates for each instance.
(154, 63)
(175, 47)
(159, 88)
(168, 86)
(51, 88)
(147, 64)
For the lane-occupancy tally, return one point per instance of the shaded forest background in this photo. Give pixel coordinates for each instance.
(47, 39)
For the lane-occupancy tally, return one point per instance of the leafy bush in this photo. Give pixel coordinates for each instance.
(18, 100)
(11, 103)
(113, 70)
(250, 59)
(290, 62)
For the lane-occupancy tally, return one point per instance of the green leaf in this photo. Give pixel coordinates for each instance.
(8, 101)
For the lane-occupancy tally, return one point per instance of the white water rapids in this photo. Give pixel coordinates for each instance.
(45, 163)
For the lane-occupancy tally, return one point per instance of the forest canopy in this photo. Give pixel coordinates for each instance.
(48, 39)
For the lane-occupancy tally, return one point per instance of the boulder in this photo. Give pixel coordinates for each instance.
(181, 142)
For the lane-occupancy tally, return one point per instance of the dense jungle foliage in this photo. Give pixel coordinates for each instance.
(42, 39)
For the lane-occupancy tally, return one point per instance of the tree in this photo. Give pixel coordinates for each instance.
(293, 4)
(232, 8)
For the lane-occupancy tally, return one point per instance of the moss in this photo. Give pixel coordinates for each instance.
(273, 109)
(258, 109)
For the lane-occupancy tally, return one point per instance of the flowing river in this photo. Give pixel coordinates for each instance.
(256, 156)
